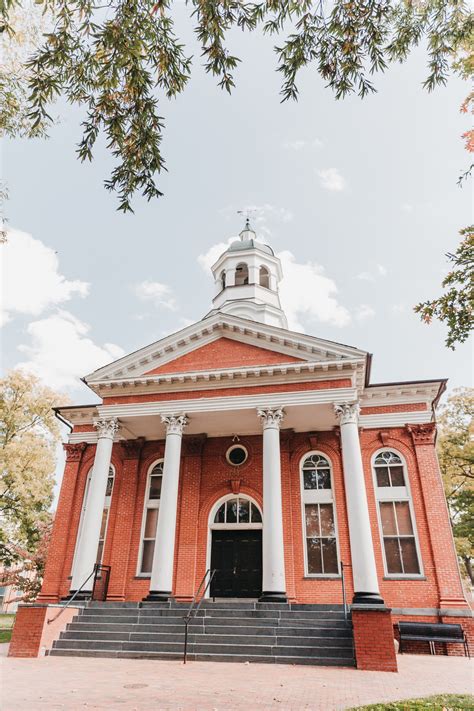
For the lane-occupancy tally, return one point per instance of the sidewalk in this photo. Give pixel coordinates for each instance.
(146, 685)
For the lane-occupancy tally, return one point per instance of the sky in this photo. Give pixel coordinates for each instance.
(358, 197)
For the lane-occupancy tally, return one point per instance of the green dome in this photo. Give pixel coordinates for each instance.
(242, 244)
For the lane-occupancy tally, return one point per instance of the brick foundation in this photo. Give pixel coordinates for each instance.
(33, 634)
(373, 639)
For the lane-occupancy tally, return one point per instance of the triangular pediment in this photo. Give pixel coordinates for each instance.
(224, 353)
(219, 342)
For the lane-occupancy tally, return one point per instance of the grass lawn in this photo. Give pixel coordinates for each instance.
(6, 624)
(440, 702)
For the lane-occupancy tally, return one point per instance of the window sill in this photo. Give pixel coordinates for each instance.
(404, 577)
(322, 577)
(144, 576)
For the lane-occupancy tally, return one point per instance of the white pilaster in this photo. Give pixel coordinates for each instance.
(161, 583)
(366, 586)
(273, 584)
(86, 554)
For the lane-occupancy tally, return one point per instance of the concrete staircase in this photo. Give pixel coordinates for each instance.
(239, 631)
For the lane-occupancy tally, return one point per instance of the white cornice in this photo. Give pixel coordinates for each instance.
(222, 404)
(395, 419)
(239, 376)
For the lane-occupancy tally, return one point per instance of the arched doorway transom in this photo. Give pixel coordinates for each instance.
(235, 547)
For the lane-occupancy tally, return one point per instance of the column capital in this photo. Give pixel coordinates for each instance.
(74, 451)
(175, 424)
(107, 427)
(347, 412)
(271, 417)
(423, 434)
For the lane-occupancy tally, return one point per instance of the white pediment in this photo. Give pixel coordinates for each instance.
(220, 325)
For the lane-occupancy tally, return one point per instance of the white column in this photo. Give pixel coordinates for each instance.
(273, 584)
(161, 583)
(366, 586)
(86, 554)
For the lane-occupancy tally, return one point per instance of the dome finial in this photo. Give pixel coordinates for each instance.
(247, 232)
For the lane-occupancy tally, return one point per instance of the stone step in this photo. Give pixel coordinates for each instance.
(203, 648)
(293, 620)
(251, 629)
(275, 613)
(238, 658)
(274, 639)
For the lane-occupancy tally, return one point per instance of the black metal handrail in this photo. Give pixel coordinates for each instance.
(343, 582)
(192, 611)
(97, 568)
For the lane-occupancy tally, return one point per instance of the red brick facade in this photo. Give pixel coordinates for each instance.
(206, 476)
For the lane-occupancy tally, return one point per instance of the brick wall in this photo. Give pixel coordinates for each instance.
(37, 627)
(206, 476)
(373, 640)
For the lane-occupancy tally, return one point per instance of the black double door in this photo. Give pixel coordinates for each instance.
(237, 558)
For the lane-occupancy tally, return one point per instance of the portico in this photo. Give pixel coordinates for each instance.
(265, 421)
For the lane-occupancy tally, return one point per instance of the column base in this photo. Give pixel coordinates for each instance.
(272, 596)
(366, 598)
(83, 595)
(158, 596)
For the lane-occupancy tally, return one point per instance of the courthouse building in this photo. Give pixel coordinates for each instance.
(238, 446)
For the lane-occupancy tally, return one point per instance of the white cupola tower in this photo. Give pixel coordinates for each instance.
(247, 275)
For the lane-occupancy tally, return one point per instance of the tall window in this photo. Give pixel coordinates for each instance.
(105, 513)
(222, 279)
(400, 545)
(319, 522)
(264, 277)
(150, 518)
(241, 274)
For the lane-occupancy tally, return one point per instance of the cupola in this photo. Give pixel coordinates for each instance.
(247, 275)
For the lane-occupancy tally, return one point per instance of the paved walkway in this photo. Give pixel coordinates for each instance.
(145, 685)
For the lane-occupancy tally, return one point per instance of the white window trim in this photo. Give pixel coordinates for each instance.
(387, 494)
(107, 505)
(153, 504)
(211, 526)
(318, 496)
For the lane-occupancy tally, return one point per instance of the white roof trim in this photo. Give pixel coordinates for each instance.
(217, 326)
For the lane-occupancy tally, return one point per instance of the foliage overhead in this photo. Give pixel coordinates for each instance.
(118, 59)
(29, 434)
(455, 307)
(456, 458)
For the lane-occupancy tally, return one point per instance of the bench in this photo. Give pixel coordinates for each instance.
(432, 632)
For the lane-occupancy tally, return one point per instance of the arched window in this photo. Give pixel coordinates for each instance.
(241, 274)
(319, 521)
(105, 513)
(222, 279)
(238, 510)
(150, 518)
(396, 519)
(264, 275)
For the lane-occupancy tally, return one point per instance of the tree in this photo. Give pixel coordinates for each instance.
(118, 58)
(29, 433)
(456, 457)
(26, 574)
(456, 306)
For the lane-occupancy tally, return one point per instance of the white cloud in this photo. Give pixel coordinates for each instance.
(331, 179)
(299, 144)
(61, 352)
(306, 293)
(30, 276)
(406, 207)
(213, 253)
(158, 294)
(399, 308)
(364, 312)
(379, 271)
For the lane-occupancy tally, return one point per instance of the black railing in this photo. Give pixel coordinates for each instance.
(193, 608)
(98, 569)
(343, 583)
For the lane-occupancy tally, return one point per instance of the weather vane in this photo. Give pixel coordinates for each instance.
(247, 212)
